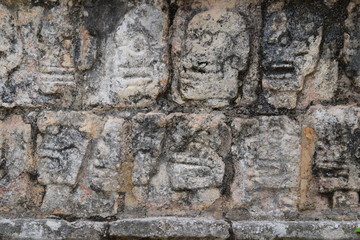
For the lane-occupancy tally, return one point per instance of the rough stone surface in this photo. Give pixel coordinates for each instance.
(79, 158)
(162, 119)
(295, 230)
(181, 159)
(44, 229)
(170, 228)
(267, 154)
(292, 38)
(133, 69)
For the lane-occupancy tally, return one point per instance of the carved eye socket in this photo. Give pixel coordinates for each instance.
(139, 45)
(206, 39)
(5, 43)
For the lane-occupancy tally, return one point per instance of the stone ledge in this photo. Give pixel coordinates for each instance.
(176, 228)
(309, 230)
(170, 227)
(45, 229)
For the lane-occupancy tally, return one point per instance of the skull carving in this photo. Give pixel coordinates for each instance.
(291, 46)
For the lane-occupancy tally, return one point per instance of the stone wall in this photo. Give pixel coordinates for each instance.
(179, 119)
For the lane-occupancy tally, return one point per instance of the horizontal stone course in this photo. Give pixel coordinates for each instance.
(176, 228)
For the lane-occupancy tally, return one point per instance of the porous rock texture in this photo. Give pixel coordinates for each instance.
(179, 119)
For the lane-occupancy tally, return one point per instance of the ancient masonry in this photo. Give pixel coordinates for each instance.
(179, 119)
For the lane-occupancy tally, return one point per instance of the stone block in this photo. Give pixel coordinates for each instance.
(335, 159)
(44, 229)
(295, 230)
(292, 36)
(181, 161)
(266, 154)
(16, 163)
(210, 48)
(43, 41)
(79, 159)
(168, 227)
(133, 69)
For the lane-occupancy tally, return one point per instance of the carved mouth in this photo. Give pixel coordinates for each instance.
(2, 54)
(280, 70)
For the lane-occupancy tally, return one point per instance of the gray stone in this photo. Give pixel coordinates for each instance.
(133, 69)
(336, 156)
(169, 227)
(210, 49)
(61, 149)
(267, 158)
(295, 230)
(10, 45)
(291, 48)
(149, 134)
(46, 75)
(16, 163)
(351, 50)
(44, 229)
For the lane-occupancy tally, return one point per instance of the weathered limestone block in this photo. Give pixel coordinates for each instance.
(291, 47)
(133, 69)
(210, 48)
(149, 136)
(295, 230)
(62, 144)
(47, 73)
(79, 159)
(11, 52)
(267, 156)
(45, 229)
(10, 45)
(56, 40)
(170, 227)
(351, 50)
(99, 189)
(335, 158)
(181, 164)
(15, 164)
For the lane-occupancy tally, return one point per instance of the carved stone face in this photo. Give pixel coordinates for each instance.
(198, 167)
(60, 155)
(57, 62)
(10, 46)
(215, 49)
(352, 44)
(138, 51)
(291, 45)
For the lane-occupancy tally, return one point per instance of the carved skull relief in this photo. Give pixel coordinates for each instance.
(56, 41)
(10, 44)
(291, 45)
(214, 49)
(352, 43)
(134, 68)
(60, 155)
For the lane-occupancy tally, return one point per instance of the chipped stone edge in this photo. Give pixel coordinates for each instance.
(174, 227)
(327, 230)
(170, 227)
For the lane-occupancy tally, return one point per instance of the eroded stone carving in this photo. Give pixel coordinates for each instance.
(15, 163)
(60, 155)
(351, 49)
(183, 160)
(99, 189)
(79, 159)
(211, 48)
(267, 157)
(10, 44)
(337, 154)
(134, 70)
(56, 64)
(291, 44)
(11, 50)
